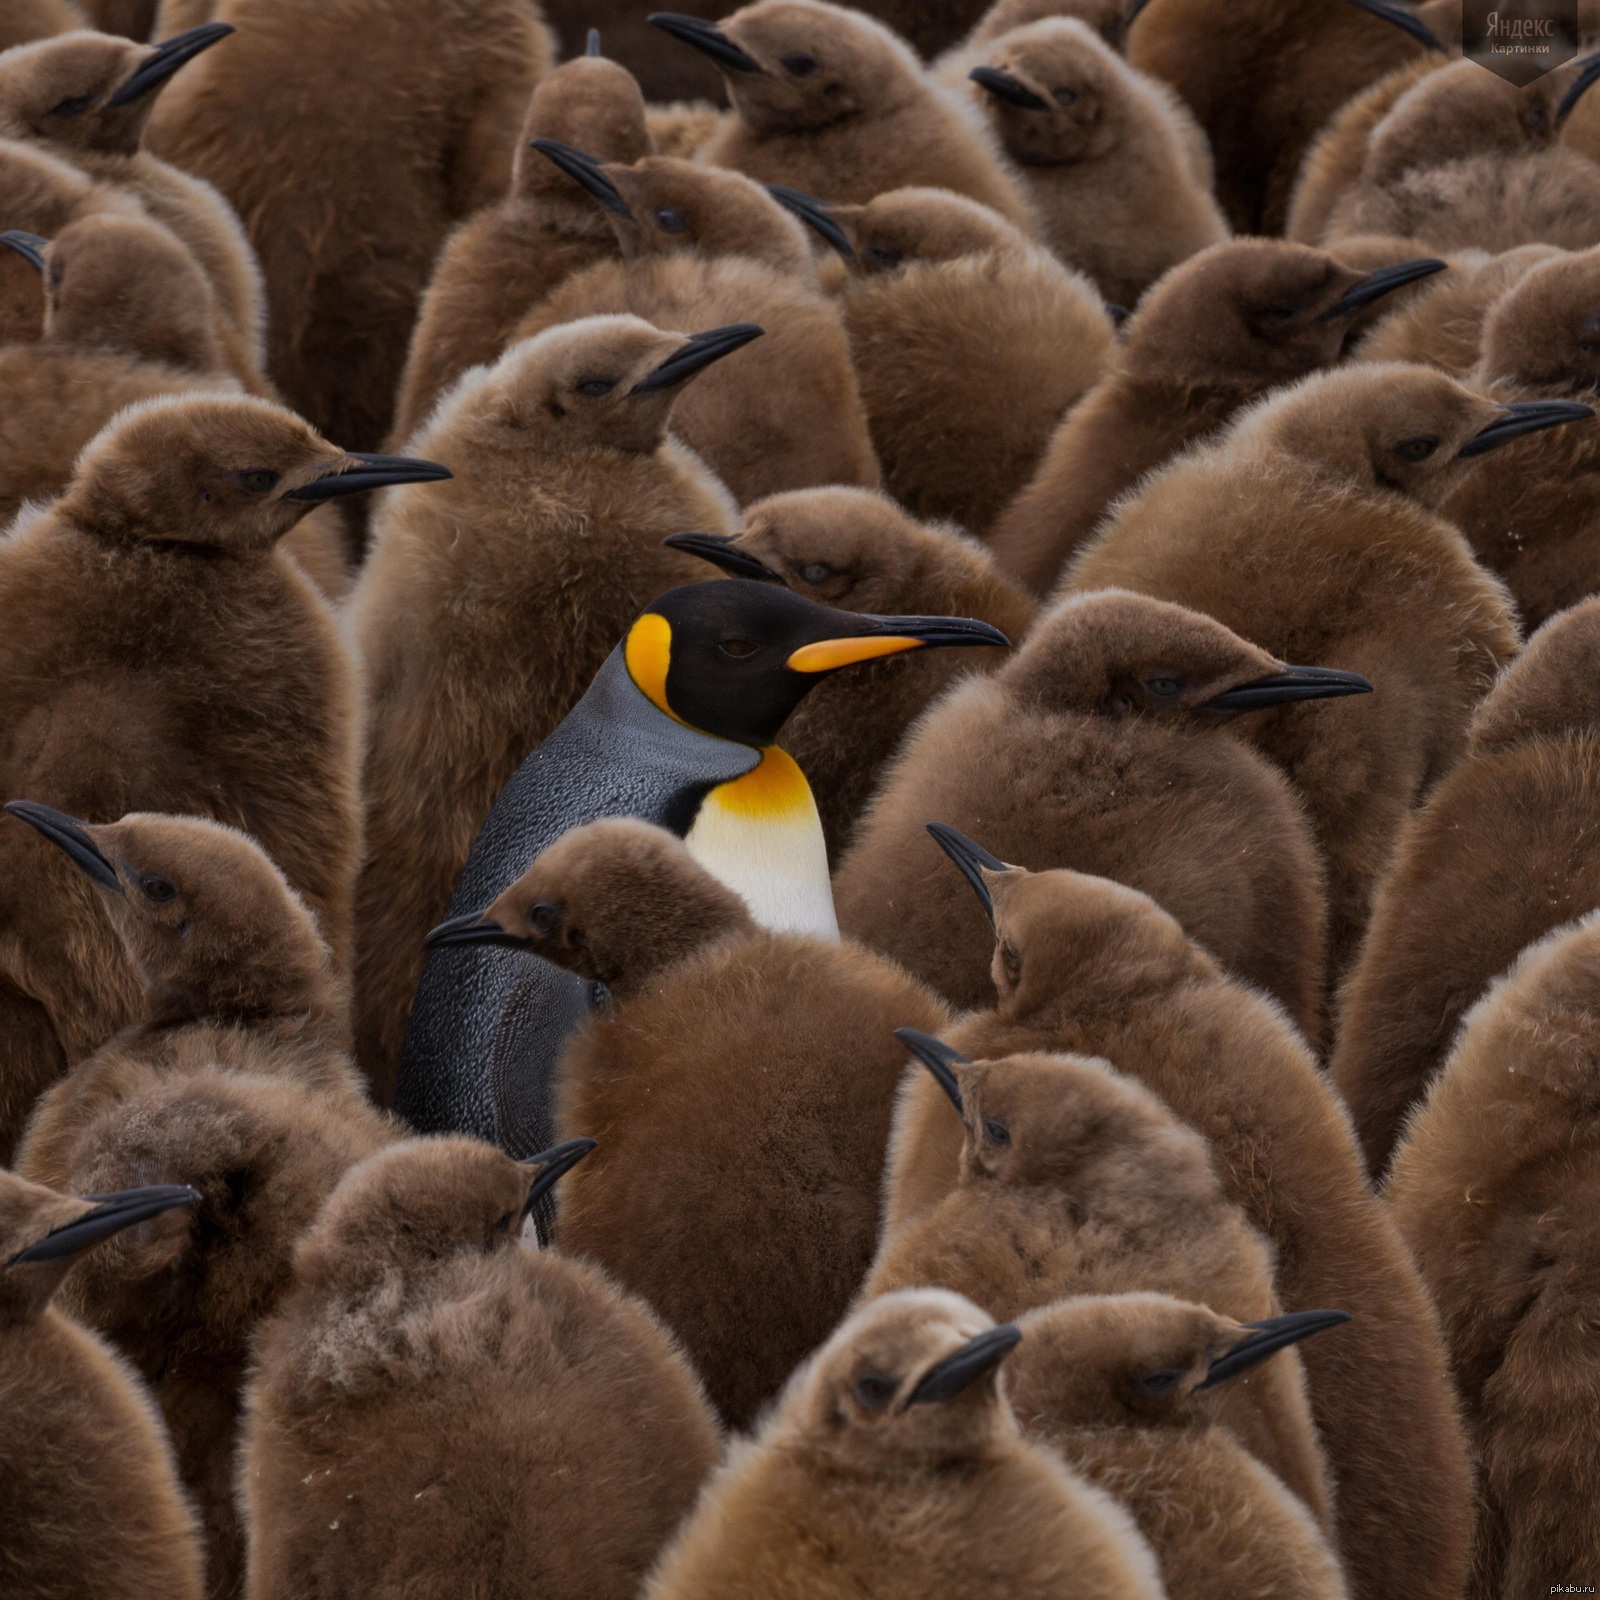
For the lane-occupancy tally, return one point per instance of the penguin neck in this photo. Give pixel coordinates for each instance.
(760, 835)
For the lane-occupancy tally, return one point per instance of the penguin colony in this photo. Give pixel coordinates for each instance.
(797, 805)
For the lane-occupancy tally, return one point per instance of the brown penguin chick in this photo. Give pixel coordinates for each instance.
(1216, 334)
(1093, 747)
(727, 1049)
(88, 97)
(504, 260)
(441, 1409)
(1265, 94)
(1103, 151)
(350, 152)
(1311, 529)
(1493, 1186)
(1086, 966)
(159, 652)
(1508, 828)
(1075, 1180)
(1125, 1387)
(1464, 159)
(37, 19)
(1108, 18)
(682, 127)
(857, 550)
(893, 1466)
(1440, 323)
(830, 102)
(970, 344)
(182, 1300)
(1532, 515)
(93, 1503)
(135, 19)
(567, 483)
(702, 248)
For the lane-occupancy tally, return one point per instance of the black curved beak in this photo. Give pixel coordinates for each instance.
(1132, 12)
(1293, 683)
(1004, 87)
(722, 550)
(369, 472)
(962, 1368)
(972, 859)
(1400, 17)
(1523, 417)
(814, 214)
(591, 45)
(1272, 1335)
(554, 1164)
(1585, 81)
(939, 1059)
(114, 1213)
(175, 52)
(27, 245)
(708, 39)
(1385, 280)
(473, 928)
(698, 354)
(66, 833)
(583, 169)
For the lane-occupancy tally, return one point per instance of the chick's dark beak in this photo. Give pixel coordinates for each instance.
(27, 245)
(972, 860)
(1384, 280)
(962, 1368)
(701, 350)
(584, 170)
(367, 472)
(1399, 17)
(67, 834)
(1011, 90)
(552, 1166)
(708, 39)
(1270, 1335)
(1523, 417)
(939, 1059)
(1293, 683)
(1584, 82)
(722, 550)
(814, 215)
(113, 1213)
(474, 928)
(175, 52)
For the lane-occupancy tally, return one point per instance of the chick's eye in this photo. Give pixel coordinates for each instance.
(995, 1131)
(593, 388)
(74, 106)
(58, 273)
(256, 481)
(1012, 958)
(1160, 1382)
(816, 572)
(737, 648)
(1418, 449)
(1278, 313)
(881, 258)
(156, 889)
(799, 65)
(1162, 688)
(1064, 97)
(671, 221)
(544, 917)
(875, 1390)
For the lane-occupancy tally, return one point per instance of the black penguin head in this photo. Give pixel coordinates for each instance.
(734, 657)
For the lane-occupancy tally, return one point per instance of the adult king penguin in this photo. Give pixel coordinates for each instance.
(678, 728)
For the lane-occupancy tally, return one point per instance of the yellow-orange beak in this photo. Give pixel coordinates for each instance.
(828, 655)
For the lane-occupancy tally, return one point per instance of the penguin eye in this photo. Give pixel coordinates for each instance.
(737, 648)
(256, 481)
(875, 1390)
(799, 65)
(74, 106)
(1064, 97)
(1161, 1382)
(544, 918)
(1279, 313)
(816, 572)
(995, 1131)
(670, 221)
(58, 273)
(1013, 961)
(1162, 688)
(593, 388)
(1418, 449)
(156, 889)
(882, 259)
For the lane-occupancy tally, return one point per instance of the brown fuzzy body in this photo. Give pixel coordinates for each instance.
(1035, 768)
(966, 366)
(485, 1420)
(787, 413)
(742, 1105)
(1288, 533)
(1106, 973)
(161, 676)
(827, 1503)
(1494, 1188)
(37, 19)
(1262, 100)
(461, 685)
(367, 139)
(1510, 829)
